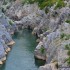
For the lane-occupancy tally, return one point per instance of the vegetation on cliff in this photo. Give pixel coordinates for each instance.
(43, 3)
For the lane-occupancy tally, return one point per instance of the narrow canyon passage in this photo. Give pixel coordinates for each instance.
(21, 56)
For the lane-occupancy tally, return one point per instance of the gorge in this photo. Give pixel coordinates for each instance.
(21, 21)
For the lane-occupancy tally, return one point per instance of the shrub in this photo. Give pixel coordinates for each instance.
(67, 47)
(42, 3)
(68, 53)
(42, 50)
(45, 29)
(10, 22)
(27, 1)
(60, 4)
(68, 21)
(65, 36)
(23, 2)
(68, 60)
(69, 6)
(62, 36)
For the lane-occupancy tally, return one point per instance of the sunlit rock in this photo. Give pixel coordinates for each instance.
(50, 66)
(2, 52)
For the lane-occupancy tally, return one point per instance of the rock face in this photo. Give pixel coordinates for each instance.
(51, 39)
(2, 52)
(50, 66)
(5, 21)
(5, 38)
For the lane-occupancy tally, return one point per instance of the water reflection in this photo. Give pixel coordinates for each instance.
(2, 67)
(39, 62)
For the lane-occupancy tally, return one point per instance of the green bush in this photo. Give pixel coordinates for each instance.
(60, 4)
(69, 6)
(42, 50)
(68, 60)
(68, 53)
(42, 3)
(67, 47)
(27, 1)
(68, 21)
(65, 36)
(45, 29)
(62, 36)
(10, 22)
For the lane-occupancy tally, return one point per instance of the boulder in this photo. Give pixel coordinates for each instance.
(50, 66)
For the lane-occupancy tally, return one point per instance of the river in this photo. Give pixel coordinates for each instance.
(21, 56)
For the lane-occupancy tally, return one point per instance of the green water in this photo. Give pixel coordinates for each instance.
(21, 56)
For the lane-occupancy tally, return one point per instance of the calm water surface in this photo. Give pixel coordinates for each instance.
(21, 56)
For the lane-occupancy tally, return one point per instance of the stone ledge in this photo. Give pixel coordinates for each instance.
(11, 43)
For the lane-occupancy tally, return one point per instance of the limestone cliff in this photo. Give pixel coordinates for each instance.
(51, 25)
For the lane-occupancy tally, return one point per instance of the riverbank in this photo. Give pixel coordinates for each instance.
(5, 41)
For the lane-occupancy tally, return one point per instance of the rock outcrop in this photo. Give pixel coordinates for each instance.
(5, 38)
